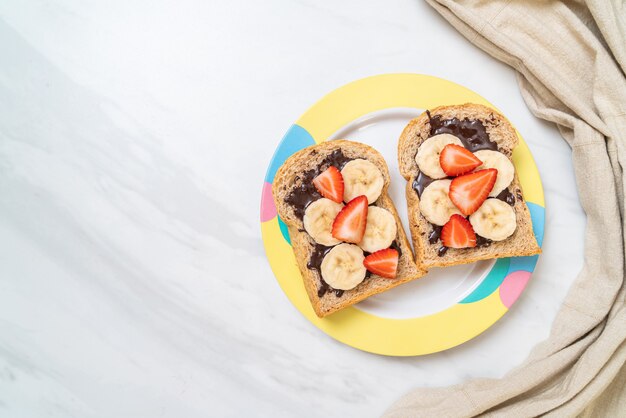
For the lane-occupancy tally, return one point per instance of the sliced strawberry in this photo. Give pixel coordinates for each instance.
(458, 233)
(330, 184)
(350, 222)
(469, 191)
(456, 160)
(383, 263)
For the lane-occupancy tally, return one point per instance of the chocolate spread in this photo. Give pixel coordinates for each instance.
(421, 182)
(482, 241)
(318, 254)
(472, 133)
(506, 196)
(435, 234)
(306, 193)
(315, 263)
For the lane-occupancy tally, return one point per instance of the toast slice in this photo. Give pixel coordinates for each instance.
(474, 123)
(292, 192)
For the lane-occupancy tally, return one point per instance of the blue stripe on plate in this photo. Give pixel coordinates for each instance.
(294, 140)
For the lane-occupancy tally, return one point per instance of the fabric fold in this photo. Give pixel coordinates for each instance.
(570, 58)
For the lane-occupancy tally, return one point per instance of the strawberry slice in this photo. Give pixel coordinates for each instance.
(350, 222)
(458, 233)
(456, 160)
(330, 184)
(469, 191)
(383, 263)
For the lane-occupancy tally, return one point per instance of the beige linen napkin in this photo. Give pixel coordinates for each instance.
(570, 58)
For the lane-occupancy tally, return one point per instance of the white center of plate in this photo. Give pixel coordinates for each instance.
(441, 287)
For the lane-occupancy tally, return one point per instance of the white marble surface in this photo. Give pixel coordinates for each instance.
(134, 137)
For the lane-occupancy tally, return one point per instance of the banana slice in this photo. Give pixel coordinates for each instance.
(342, 268)
(318, 220)
(427, 157)
(380, 231)
(494, 220)
(361, 177)
(435, 204)
(499, 161)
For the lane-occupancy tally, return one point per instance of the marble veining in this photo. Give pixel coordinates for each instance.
(134, 138)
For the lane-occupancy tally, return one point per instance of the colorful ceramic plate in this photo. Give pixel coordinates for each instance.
(446, 307)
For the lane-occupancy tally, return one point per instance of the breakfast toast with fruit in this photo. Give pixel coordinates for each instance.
(465, 202)
(344, 229)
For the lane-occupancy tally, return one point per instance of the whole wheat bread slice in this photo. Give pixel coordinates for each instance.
(521, 243)
(288, 177)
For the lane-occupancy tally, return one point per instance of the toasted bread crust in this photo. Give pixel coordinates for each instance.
(521, 243)
(285, 180)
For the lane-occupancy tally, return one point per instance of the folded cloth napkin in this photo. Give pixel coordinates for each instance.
(571, 61)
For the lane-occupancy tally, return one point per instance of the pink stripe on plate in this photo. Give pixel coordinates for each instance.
(268, 209)
(512, 287)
